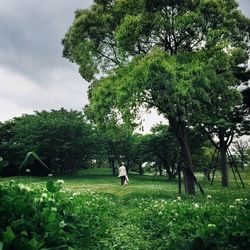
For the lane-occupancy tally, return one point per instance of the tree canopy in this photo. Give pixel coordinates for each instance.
(176, 55)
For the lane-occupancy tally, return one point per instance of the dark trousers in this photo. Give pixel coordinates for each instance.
(123, 178)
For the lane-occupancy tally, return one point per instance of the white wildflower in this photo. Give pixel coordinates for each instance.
(21, 186)
(209, 197)
(60, 181)
(196, 205)
(24, 188)
(239, 200)
(62, 224)
(178, 198)
(211, 226)
(28, 189)
(231, 206)
(44, 195)
(27, 170)
(53, 209)
(50, 175)
(51, 200)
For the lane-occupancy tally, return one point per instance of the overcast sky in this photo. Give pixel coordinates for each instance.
(33, 73)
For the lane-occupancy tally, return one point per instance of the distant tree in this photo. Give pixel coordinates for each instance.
(63, 140)
(9, 148)
(165, 149)
(241, 149)
(226, 114)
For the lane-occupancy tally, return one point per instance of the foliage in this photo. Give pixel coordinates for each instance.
(241, 151)
(37, 219)
(109, 33)
(175, 56)
(27, 157)
(3, 164)
(63, 140)
(145, 215)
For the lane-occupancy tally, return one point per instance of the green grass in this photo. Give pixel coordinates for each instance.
(100, 180)
(146, 214)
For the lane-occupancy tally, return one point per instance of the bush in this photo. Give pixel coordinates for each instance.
(35, 219)
(54, 218)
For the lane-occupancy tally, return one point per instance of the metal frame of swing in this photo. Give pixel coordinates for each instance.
(214, 164)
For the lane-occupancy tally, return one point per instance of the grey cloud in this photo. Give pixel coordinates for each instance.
(31, 33)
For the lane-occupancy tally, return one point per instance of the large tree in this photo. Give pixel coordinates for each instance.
(148, 54)
(63, 140)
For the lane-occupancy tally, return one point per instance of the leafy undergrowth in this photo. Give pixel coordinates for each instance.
(56, 217)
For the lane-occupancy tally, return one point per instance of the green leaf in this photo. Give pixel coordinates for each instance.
(8, 236)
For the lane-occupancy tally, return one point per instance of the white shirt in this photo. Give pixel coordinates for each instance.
(122, 171)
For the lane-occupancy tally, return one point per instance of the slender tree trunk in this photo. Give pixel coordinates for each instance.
(160, 170)
(140, 169)
(223, 161)
(171, 176)
(113, 167)
(179, 180)
(180, 131)
(181, 135)
(170, 173)
(188, 169)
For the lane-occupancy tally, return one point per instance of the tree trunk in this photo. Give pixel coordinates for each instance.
(188, 169)
(170, 174)
(223, 161)
(113, 166)
(180, 131)
(140, 169)
(160, 170)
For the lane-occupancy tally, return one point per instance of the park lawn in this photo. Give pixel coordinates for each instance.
(92, 211)
(100, 180)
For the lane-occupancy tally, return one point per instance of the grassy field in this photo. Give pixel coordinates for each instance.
(100, 180)
(93, 211)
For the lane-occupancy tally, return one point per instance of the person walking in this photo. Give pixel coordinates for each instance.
(123, 174)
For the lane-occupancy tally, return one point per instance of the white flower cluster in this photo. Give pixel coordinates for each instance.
(62, 224)
(24, 188)
(196, 205)
(239, 200)
(51, 200)
(209, 197)
(60, 181)
(211, 226)
(44, 196)
(53, 209)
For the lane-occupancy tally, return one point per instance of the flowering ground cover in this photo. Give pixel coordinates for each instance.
(93, 212)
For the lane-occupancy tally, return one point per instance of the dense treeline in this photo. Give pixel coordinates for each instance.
(66, 142)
